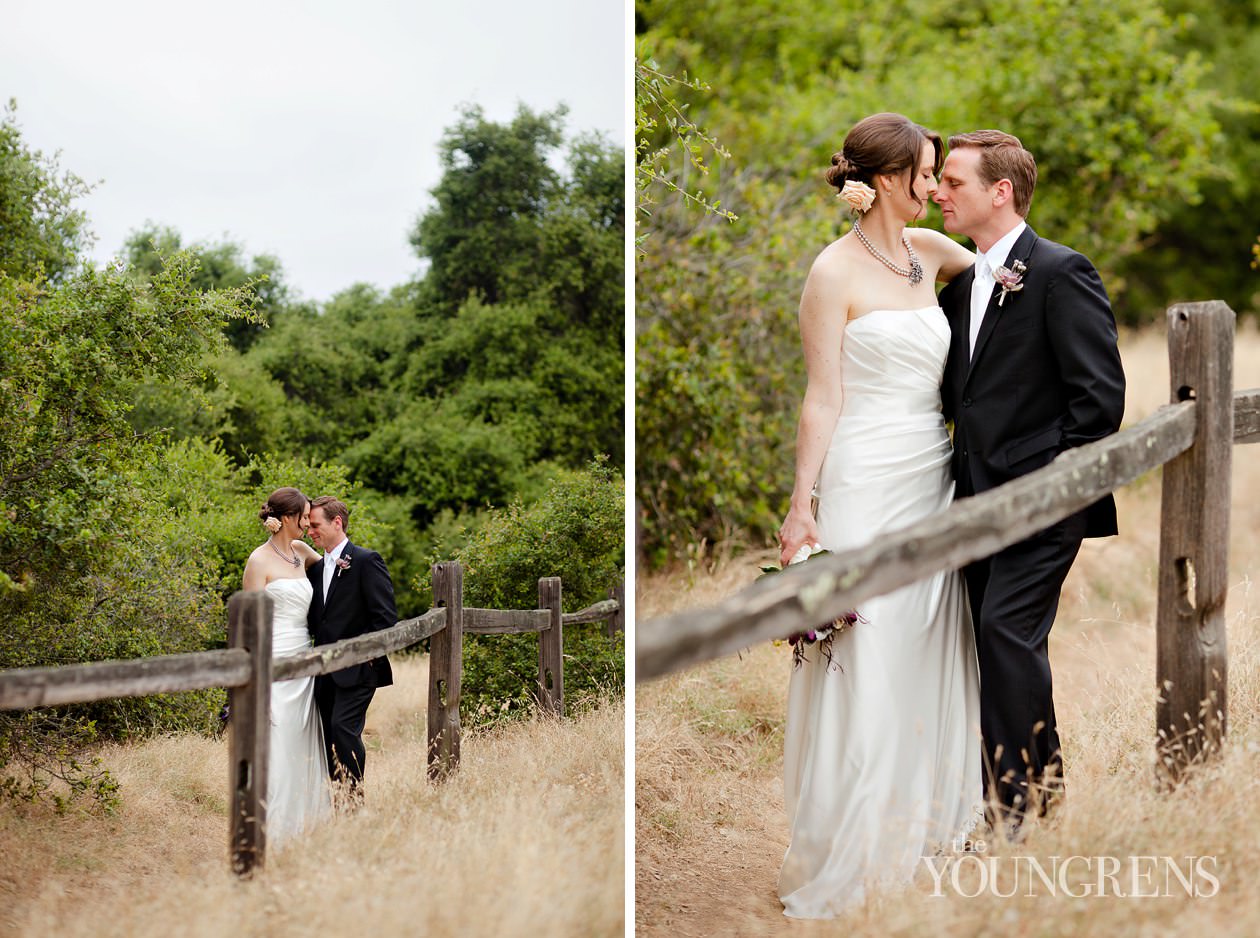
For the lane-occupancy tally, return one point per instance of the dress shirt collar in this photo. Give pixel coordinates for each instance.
(331, 555)
(999, 253)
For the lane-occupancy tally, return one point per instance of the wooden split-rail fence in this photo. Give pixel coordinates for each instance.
(247, 670)
(1192, 438)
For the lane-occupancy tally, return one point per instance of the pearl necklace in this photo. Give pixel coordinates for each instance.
(289, 560)
(915, 271)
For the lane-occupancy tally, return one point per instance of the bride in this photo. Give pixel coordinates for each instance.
(298, 794)
(881, 751)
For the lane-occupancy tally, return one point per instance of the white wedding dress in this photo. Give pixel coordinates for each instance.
(882, 750)
(298, 792)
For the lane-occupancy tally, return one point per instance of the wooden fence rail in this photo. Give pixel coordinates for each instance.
(247, 670)
(1192, 438)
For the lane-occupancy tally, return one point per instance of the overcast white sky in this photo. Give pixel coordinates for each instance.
(307, 130)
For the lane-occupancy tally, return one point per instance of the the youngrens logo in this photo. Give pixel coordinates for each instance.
(1078, 877)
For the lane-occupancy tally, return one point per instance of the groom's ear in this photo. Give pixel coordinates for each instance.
(1003, 193)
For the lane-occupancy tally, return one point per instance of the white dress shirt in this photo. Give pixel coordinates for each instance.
(330, 564)
(982, 286)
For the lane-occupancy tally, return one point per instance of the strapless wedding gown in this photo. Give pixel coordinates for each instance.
(298, 794)
(882, 749)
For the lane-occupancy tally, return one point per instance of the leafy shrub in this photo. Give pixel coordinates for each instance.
(576, 531)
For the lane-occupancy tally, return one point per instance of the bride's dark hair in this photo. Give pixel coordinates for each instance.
(883, 145)
(282, 503)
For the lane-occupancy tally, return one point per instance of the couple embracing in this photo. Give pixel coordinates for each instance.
(317, 724)
(934, 712)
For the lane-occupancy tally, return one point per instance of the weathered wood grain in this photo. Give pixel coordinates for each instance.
(606, 610)
(518, 621)
(617, 622)
(249, 630)
(22, 688)
(505, 621)
(446, 655)
(1247, 416)
(1190, 658)
(325, 659)
(971, 528)
(551, 649)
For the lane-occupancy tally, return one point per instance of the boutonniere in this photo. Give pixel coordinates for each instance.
(1010, 279)
(343, 563)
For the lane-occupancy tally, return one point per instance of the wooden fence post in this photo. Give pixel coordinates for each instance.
(446, 661)
(249, 627)
(551, 649)
(1190, 666)
(618, 622)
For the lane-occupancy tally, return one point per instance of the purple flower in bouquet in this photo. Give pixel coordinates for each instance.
(821, 635)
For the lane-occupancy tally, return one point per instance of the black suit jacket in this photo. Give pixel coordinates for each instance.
(1046, 373)
(360, 599)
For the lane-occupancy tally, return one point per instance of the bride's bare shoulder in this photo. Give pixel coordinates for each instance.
(829, 286)
(835, 261)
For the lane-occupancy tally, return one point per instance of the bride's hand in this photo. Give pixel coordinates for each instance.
(799, 528)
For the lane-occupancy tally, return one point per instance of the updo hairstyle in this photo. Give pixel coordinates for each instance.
(883, 145)
(282, 503)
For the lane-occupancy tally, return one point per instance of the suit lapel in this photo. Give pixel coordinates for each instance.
(337, 572)
(1021, 251)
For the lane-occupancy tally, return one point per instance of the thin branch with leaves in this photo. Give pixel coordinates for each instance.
(655, 105)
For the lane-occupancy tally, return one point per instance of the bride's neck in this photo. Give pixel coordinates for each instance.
(884, 231)
(282, 540)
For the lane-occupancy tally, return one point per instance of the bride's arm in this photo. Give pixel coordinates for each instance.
(308, 553)
(823, 313)
(947, 256)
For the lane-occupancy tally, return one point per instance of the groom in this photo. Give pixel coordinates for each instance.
(353, 595)
(1033, 370)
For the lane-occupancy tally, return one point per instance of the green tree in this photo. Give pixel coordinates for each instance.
(1200, 250)
(483, 236)
(220, 266)
(41, 232)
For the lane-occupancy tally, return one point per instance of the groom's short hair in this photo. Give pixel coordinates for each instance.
(333, 508)
(1002, 156)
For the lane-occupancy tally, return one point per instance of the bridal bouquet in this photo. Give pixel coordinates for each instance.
(822, 635)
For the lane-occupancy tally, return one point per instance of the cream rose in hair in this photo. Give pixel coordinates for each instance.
(858, 195)
(272, 524)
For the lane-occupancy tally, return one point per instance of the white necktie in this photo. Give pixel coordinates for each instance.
(981, 291)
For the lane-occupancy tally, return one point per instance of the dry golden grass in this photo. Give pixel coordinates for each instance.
(527, 838)
(710, 828)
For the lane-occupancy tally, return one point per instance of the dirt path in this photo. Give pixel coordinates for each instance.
(722, 884)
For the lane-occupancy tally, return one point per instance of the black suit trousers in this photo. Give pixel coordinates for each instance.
(343, 713)
(1014, 596)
